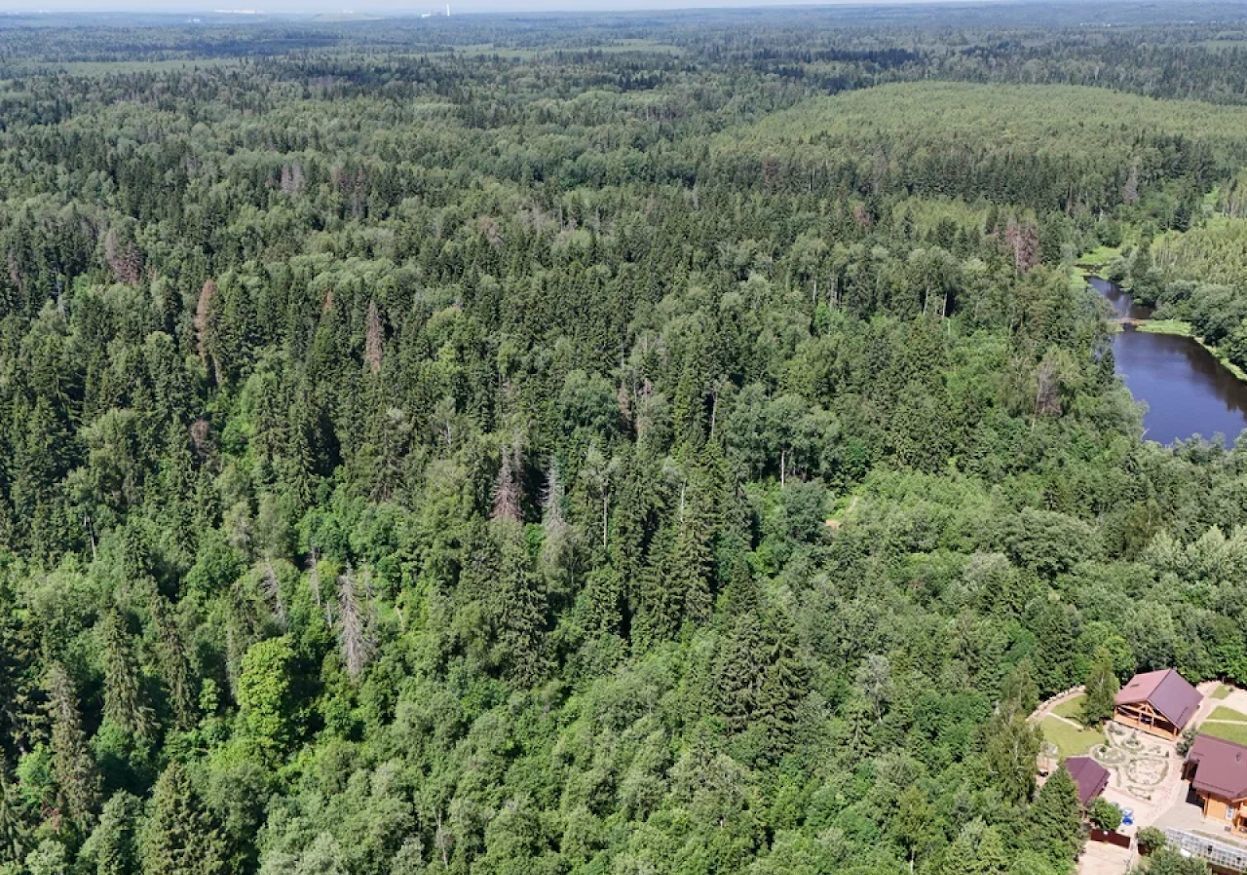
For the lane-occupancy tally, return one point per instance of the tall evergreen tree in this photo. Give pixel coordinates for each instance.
(76, 774)
(181, 836)
(1054, 826)
(124, 702)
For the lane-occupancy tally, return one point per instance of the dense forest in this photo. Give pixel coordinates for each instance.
(653, 443)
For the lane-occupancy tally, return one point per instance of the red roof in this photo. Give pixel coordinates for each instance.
(1220, 767)
(1166, 691)
(1090, 776)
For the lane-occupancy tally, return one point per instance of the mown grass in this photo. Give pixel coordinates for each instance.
(1221, 692)
(1166, 326)
(1221, 712)
(1069, 740)
(1235, 732)
(1071, 708)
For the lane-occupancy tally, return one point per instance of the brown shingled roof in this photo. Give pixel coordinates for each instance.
(1166, 691)
(1221, 767)
(1090, 776)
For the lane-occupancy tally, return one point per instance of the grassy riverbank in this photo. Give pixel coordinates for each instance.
(1181, 328)
(1097, 258)
(1086, 266)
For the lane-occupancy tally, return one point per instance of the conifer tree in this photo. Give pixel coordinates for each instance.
(113, 845)
(354, 625)
(12, 827)
(76, 774)
(181, 837)
(175, 670)
(780, 697)
(124, 704)
(1054, 823)
(521, 607)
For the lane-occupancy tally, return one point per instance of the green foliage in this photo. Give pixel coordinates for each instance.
(1170, 862)
(1150, 840)
(1105, 814)
(1102, 686)
(1054, 823)
(666, 443)
(265, 708)
(180, 836)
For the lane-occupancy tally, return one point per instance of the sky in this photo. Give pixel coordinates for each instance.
(414, 7)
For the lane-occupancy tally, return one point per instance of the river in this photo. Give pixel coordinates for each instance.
(1187, 391)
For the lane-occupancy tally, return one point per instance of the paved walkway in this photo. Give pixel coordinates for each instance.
(1101, 858)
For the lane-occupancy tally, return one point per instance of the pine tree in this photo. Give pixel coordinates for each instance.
(12, 829)
(181, 837)
(76, 775)
(1101, 689)
(1054, 823)
(175, 670)
(123, 694)
(113, 845)
(1012, 748)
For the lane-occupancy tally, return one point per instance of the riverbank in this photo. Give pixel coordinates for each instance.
(1179, 328)
(1087, 266)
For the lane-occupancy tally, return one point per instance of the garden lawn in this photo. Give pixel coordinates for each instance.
(1221, 712)
(1071, 709)
(1226, 723)
(1235, 732)
(1071, 740)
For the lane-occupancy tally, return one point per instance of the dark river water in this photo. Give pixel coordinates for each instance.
(1187, 391)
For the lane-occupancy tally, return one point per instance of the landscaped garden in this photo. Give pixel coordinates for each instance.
(1138, 763)
(1068, 739)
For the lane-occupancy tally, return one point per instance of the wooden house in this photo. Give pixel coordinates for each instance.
(1089, 776)
(1217, 770)
(1158, 702)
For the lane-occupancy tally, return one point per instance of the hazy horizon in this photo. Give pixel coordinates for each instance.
(418, 7)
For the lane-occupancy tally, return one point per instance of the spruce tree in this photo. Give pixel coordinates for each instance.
(123, 682)
(1054, 823)
(181, 837)
(12, 827)
(76, 774)
(112, 847)
(172, 661)
(521, 607)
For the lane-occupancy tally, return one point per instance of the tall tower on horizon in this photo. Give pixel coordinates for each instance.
(448, 10)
